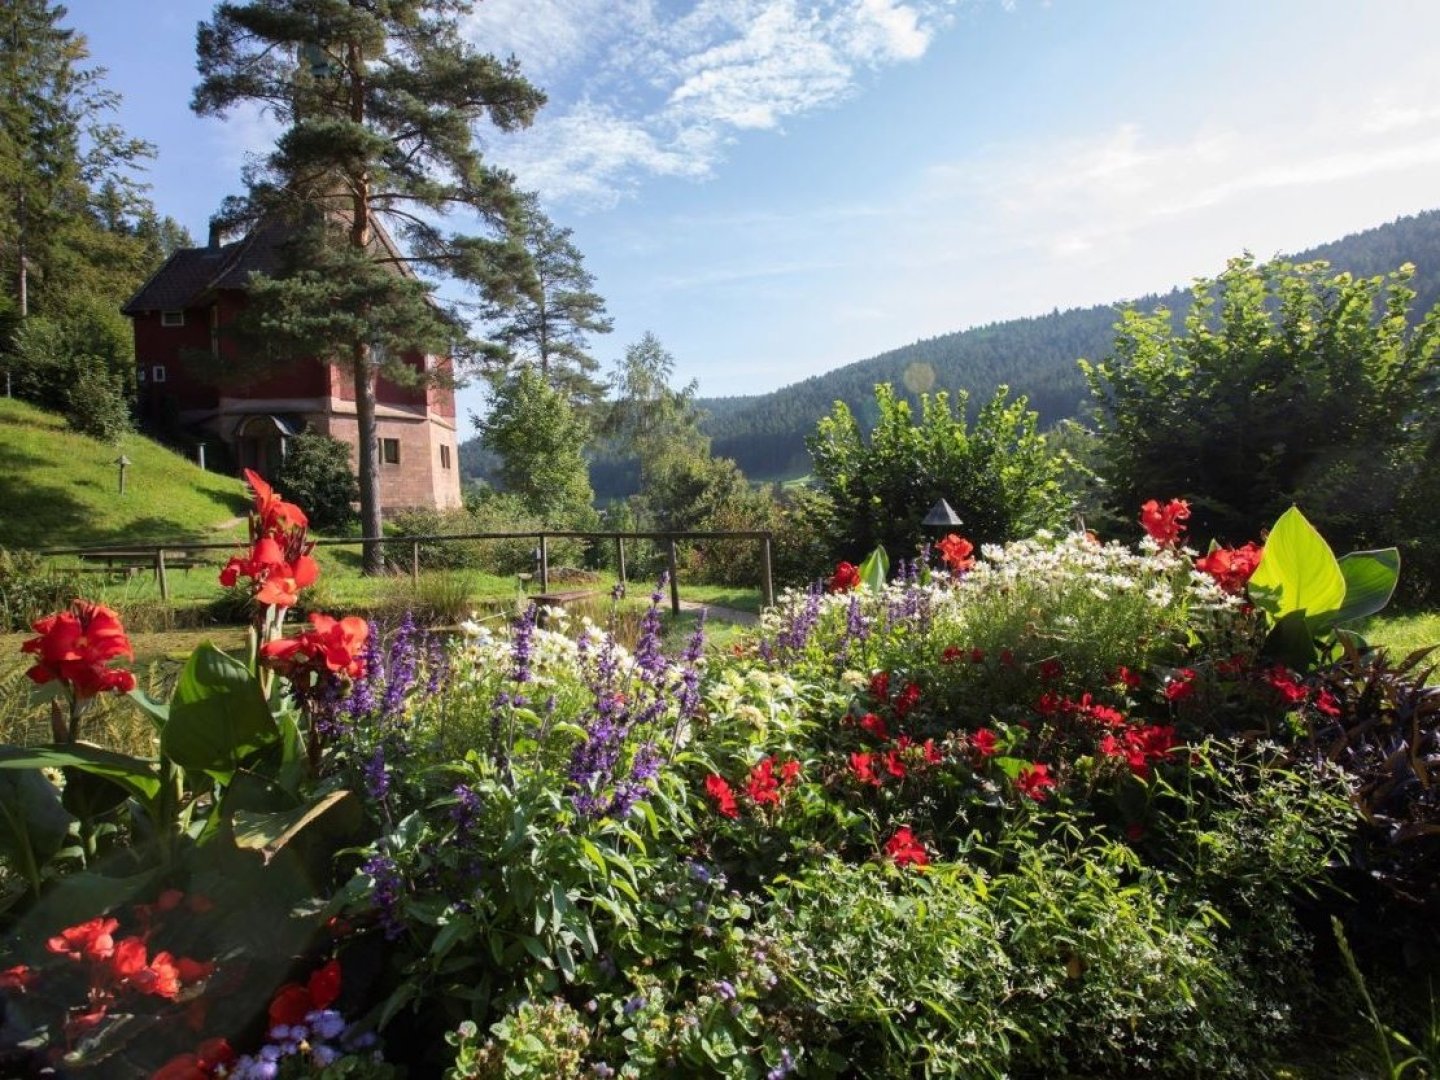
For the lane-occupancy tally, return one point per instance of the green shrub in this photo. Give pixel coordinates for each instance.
(96, 404)
(317, 475)
(31, 588)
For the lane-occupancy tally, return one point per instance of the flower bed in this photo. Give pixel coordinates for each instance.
(1053, 808)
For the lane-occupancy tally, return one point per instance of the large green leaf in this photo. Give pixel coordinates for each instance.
(875, 570)
(218, 715)
(33, 823)
(139, 776)
(1298, 572)
(1370, 578)
(269, 833)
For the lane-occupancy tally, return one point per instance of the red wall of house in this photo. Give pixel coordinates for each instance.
(157, 345)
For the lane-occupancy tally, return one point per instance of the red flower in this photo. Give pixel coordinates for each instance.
(719, 789)
(1231, 567)
(1326, 703)
(957, 553)
(880, 686)
(907, 699)
(1287, 685)
(875, 726)
(160, 977)
(977, 655)
(87, 941)
(18, 977)
(324, 984)
(1164, 523)
(895, 764)
(951, 654)
(1181, 685)
(278, 564)
(211, 1055)
(77, 645)
(763, 787)
(862, 766)
(333, 645)
(277, 517)
(129, 957)
(985, 743)
(1140, 746)
(905, 850)
(1034, 780)
(789, 772)
(845, 578)
(292, 1001)
(1050, 670)
(1123, 676)
(932, 753)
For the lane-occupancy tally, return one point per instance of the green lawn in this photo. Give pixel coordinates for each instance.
(60, 488)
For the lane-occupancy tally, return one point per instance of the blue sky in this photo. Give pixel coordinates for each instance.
(779, 187)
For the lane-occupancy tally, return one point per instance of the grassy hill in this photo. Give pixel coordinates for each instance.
(59, 489)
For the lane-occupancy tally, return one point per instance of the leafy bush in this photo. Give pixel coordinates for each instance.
(96, 404)
(31, 588)
(318, 476)
(998, 475)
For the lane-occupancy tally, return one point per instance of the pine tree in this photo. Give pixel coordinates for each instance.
(56, 147)
(550, 328)
(379, 102)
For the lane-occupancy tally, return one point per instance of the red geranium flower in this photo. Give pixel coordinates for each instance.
(1165, 523)
(1034, 780)
(880, 686)
(762, 786)
(907, 699)
(1123, 676)
(1231, 567)
(985, 742)
(957, 552)
(951, 654)
(718, 788)
(863, 768)
(905, 850)
(845, 578)
(1181, 685)
(1287, 684)
(895, 764)
(875, 726)
(77, 645)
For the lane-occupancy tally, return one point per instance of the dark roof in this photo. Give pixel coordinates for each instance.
(192, 272)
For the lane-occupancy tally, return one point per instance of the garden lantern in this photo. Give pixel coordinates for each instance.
(124, 463)
(941, 517)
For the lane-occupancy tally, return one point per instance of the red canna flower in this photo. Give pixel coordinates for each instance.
(905, 850)
(18, 977)
(719, 789)
(90, 940)
(278, 564)
(957, 552)
(845, 578)
(1231, 567)
(1165, 523)
(276, 516)
(76, 647)
(1034, 781)
(331, 645)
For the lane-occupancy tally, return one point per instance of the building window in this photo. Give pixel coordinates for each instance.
(389, 451)
(445, 457)
(172, 318)
(157, 373)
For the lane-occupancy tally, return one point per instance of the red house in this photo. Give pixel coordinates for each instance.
(182, 310)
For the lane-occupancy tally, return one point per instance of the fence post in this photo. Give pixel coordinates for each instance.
(415, 562)
(674, 576)
(620, 557)
(160, 574)
(767, 584)
(544, 563)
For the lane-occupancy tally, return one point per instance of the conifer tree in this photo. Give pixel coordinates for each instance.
(379, 99)
(550, 328)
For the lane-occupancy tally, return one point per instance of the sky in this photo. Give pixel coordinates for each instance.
(776, 188)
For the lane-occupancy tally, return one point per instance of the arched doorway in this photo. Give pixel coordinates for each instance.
(260, 441)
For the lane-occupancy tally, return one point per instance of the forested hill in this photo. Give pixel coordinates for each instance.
(1037, 357)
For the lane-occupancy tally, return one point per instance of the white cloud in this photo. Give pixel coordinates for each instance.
(641, 92)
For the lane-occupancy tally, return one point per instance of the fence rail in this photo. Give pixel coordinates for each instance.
(132, 557)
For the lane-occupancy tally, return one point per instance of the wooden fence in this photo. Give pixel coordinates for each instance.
(164, 557)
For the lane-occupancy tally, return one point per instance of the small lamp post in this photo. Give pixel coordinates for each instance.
(200, 455)
(941, 517)
(124, 463)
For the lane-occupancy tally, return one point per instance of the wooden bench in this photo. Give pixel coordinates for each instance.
(560, 599)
